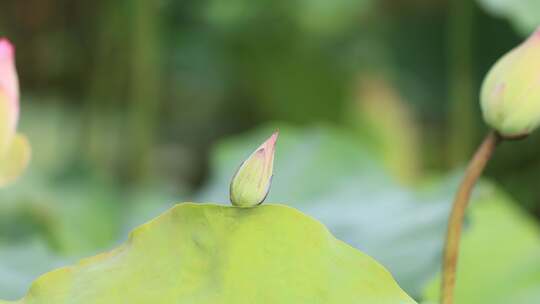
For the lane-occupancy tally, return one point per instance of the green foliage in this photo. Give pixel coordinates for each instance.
(76, 218)
(51, 223)
(215, 254)
(216, 67)
(498, 263)
(45, 224)
(315, 17)
(59, 210)
(325, 172)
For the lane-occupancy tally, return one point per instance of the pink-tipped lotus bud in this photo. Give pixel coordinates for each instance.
(251, 183)
(510, 94)
(14, 148)
(9, 83)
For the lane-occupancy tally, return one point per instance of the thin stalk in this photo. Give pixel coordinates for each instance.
(455, 222)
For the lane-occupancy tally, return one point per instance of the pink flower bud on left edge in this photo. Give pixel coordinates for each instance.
(15, 151)
(9, 83)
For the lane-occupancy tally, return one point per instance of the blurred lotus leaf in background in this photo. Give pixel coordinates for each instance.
(22, 263)
(61, 211)
(499, 261)
(214, 254)
(523, 14)
(52, 223)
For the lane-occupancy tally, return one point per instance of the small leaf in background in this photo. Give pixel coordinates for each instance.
(499, 260)
(204, 253)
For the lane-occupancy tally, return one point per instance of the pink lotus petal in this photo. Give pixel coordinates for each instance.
(271, 142)
(537, 32)
(9, 82)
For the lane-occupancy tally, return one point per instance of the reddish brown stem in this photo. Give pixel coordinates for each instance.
(455, 222)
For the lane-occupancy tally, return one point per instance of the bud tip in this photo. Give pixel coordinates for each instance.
(271, 142)
(6, 48)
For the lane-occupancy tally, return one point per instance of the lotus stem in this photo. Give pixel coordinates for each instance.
(455, 222)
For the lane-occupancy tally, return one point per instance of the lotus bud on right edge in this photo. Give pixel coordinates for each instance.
(510, 94)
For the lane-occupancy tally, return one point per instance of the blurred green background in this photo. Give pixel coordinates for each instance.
(131, 106)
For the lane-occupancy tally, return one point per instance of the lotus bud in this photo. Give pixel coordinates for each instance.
(510, 94)
(14, 148)
(251, 183)
(9, 83)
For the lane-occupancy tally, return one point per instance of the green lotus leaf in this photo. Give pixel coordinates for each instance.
(335, 176)
(205, 253)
